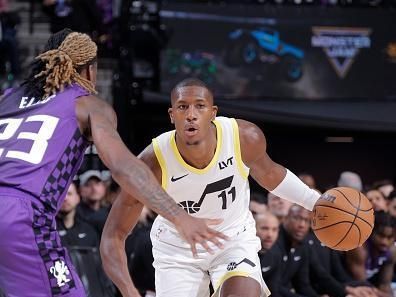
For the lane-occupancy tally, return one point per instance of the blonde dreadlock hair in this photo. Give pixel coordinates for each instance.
(62, 65)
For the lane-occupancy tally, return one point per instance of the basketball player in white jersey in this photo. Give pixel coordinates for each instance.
(204, 165)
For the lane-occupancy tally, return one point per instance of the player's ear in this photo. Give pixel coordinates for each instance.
(170, 112)
(92, 72)
(214, 112)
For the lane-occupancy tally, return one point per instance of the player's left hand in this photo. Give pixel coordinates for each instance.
(197, 231)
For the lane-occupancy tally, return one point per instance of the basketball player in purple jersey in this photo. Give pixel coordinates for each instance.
(45, 126)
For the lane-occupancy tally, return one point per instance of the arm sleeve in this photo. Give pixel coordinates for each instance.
(294, 190)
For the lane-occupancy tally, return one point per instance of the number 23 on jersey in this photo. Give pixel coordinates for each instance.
(13, 128)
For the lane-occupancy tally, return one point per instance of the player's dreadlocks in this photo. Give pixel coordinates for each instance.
(65, 54)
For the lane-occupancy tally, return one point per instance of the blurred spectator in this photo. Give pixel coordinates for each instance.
(9, 51)
(350, 179)
(330, 259)
(392, 204)
(295, 256)
(267, 226)
(139, 251)
(257, 203)
(375, 260)
(300, 263)
(112, 192)
(4, 5)
(308, 179)
(257, 208)
(377, 199)
(78, 15)
(72, 230)
(91, 208)
(327, 273)
(384, 186)
(279, 207)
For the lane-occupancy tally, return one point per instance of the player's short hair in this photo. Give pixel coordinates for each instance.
(65, 54)
(190, 82)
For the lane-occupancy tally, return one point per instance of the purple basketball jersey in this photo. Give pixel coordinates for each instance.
(41, 147)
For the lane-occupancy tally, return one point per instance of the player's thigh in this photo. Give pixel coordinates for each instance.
(239, 266)
(177, 273)
(32, 262)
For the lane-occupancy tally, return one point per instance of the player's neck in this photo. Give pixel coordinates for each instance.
(199, 155)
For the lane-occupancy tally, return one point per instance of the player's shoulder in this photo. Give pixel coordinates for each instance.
(250, 133)
(148, 156)
(93, 103)
(89, 105)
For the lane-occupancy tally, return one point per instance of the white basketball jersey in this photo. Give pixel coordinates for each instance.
(221, 190)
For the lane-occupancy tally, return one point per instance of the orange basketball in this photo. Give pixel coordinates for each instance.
(343, 219)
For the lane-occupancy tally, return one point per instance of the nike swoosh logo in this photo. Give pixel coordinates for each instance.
(173, 179)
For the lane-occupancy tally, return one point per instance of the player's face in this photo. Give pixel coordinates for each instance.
(192, 113)
(297, 223)
(377, 199)
(71, 200)
(384, 238)
(267, 231)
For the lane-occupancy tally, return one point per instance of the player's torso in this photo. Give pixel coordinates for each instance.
(221, 190)
(41, 147)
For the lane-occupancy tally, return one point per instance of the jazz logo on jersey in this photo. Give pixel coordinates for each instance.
(60, 271)
(223, 185)
(233, 265)
(224, 164)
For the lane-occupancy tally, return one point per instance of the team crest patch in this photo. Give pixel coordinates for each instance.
(60, 271)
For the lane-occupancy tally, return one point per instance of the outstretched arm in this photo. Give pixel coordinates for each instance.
(122, 218)
(270, 175)
(98, 120)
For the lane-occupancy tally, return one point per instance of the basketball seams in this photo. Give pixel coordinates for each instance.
(343, 210)
(331, 225)
(354, 219)
(364, 210)
(360, 234)
(347, 198)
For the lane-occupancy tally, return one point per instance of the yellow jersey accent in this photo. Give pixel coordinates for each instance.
(161, 161)
(237, 146)
(217, 191)
(227, 276)
(212, 162)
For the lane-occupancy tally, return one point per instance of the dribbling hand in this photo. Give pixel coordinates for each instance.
(196, 231)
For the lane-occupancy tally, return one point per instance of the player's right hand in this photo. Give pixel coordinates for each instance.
(196, 231)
